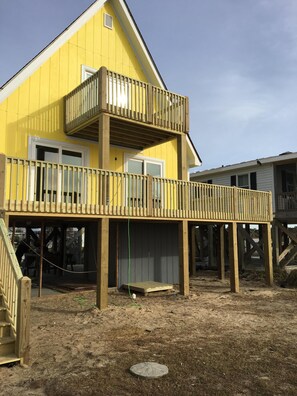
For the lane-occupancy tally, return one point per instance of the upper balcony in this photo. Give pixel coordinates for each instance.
(141, 115)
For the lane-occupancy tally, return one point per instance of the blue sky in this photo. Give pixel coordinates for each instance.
(235, 59)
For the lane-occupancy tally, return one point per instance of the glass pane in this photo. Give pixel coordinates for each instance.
(153, 169)
(135, 166)
(72, 179)
(243, 181)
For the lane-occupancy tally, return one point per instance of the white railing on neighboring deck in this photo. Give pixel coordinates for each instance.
(287, 201)
(44, 187)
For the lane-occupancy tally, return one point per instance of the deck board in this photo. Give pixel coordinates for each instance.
(148, 287)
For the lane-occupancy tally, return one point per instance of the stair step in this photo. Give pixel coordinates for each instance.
(5, 329)
(9, 358)
(7, 346)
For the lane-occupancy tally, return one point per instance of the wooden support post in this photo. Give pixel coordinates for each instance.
(41, 258)
(23, 320)
(240, 237)
(183, 258)
(233, 258)
(187, 115)
(275, 244)
(182, 157)
(193, 250)
(102, 263)
(201, 242)
(221, 255)
(266, 228)
(102, 88)
(104, 141)
(210, 246)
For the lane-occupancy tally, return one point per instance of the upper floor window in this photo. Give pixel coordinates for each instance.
(107, 21)
(245, 180)
(87, 72)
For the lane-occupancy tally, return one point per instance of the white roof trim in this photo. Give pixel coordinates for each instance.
(193, 159)
(128, 25)
(138, 45)
(247, 164)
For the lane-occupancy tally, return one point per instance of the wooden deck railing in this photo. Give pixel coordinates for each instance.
(287, 201)
(16, 292)
(44, 187)
(128, 98)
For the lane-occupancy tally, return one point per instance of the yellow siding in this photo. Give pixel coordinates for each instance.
(35, 108)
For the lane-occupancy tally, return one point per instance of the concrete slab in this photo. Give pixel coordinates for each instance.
(149, 370)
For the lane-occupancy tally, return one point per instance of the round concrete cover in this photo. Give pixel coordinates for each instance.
(149, 370)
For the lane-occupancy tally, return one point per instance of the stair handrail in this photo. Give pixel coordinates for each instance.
(15, 289)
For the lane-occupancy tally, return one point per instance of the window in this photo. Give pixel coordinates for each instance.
(87, 72)
(135, 189)
(246, 180)
(243, 181)
(53, 183)
(107, 21)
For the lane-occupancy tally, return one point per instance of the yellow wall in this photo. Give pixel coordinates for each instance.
(36, 107)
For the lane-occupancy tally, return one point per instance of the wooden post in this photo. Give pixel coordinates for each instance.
(102, 88)
(150, 106)
(233, 258)
(102, 263)
(23, 320)
(41, 258)
(2, 181)
(187, 115)
(240, 238)
(104, 141)
(275, 237)
(184, 281)
(149, 195)
(235, 203)
(210, 246)
(221, 255)
(182, 157)
(267, 253)
(193, 250)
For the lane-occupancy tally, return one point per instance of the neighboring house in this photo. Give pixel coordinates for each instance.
(277, 174)
(93, 141)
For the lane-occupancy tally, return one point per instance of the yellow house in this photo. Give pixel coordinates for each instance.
(92, 141)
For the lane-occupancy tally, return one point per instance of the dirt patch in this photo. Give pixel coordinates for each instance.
(213, 342)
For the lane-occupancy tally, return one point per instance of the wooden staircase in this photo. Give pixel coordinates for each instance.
(15, 292)
(7, 338)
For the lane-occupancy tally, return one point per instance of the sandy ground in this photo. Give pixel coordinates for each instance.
(213, 342)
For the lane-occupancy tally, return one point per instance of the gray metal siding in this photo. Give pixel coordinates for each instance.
(153, 251)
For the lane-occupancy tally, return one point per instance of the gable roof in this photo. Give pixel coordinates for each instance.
(128, 24)
(134, 37)
(287, 156)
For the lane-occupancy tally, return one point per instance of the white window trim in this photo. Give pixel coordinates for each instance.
(104, 20)
(60, 146)
(86, 69)
(34, 141)
(157, 161)
(244, 174)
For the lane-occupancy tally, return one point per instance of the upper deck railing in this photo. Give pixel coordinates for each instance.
(128, 98)
(51, 188)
